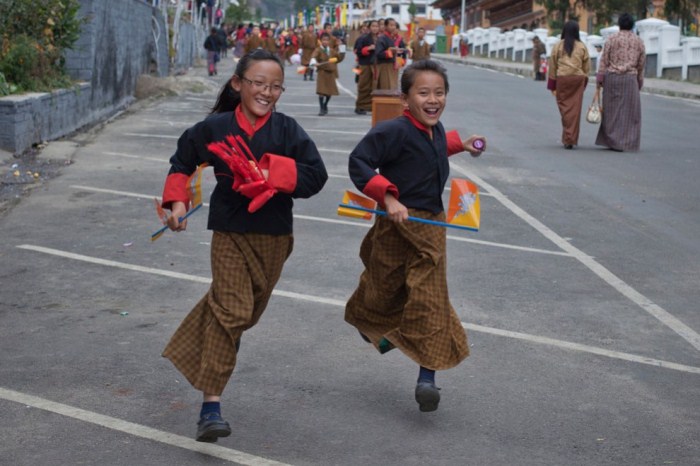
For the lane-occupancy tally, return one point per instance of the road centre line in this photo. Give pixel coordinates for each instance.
(139, 157)
(341, 303)
(663, 316)
(136, 430)
(320, 149)
(332, 131)
(283, 104)
(327, 220)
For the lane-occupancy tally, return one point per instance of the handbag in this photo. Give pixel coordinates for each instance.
(595, 112)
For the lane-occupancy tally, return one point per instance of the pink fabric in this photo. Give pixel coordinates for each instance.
(623, 53)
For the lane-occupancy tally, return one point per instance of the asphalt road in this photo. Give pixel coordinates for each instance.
(580, 295)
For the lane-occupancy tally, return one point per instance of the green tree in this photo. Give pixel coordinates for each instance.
(238, 13)
(412, 10)
(607, 10)
(33, 37)
(681, 11)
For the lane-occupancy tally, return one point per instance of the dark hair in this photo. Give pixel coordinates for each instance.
(325, 34)
(229, 98)
(325, 25)
(570, 35)
(626, 22)
(408, 78)
(386, 21)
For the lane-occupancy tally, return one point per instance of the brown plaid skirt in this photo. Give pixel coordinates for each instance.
(402, 295)
(245, 269)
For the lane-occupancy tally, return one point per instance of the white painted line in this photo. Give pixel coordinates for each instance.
(666, 318)
(344, 89)
(339, 222)
(136, 430)
(331, 117)
(583, 348)
(341, 303)
(332, 131)
(340, 151)
(171, 123)
(332, 220)
(139, 157)
(147, 135)
(119, 193)
(282, 104)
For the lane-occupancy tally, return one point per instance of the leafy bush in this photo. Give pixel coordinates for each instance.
(35, 33)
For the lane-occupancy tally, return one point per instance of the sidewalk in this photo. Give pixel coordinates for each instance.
(683, 89)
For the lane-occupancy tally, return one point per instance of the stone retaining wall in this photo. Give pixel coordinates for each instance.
(120, 41)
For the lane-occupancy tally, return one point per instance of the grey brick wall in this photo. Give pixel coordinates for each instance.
(121, 40)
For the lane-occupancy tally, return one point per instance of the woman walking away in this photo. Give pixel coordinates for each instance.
(251, 220)
(568, 76)
(621, 75)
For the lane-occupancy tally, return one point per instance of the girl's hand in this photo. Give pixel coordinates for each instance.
(469, 145)
(395, 211)
(179, 209)
(554, 93)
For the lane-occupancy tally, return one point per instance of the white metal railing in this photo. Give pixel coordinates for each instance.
(660, 38)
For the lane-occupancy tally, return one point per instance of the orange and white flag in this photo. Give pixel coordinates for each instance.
(464, 207)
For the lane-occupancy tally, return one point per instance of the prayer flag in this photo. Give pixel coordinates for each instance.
(464, 208)
(352, 199)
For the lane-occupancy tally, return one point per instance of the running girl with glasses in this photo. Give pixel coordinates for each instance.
(251, 239)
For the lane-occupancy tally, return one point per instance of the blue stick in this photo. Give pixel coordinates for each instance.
(155, 235)
(413, 219)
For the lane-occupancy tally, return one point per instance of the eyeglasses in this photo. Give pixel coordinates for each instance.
(261, 86)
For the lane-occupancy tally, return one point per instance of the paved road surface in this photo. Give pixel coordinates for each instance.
(580, 295)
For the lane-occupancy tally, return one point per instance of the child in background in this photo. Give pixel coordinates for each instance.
(401, 300)
(248, 249)
(326, 58)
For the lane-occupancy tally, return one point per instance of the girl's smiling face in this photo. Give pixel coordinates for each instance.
(260, 88)
(426, 97)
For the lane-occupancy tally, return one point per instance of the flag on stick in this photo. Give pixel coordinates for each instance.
(357, 206)
(352, 199)
(194, 191)
(463, 208)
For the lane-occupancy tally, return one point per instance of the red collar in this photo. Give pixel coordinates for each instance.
(245, 125)
(426, 129)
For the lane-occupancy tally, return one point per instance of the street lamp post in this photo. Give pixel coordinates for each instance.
(463, 22)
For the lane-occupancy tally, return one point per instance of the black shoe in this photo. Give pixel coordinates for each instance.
(210, 427)
(427, 395)
(359, 111)
(568, 146)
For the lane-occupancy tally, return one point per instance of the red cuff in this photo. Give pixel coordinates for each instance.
(551, 84)
(175, 189)
(378, 187)
(282, 172)
(389, 54)
(454, 143)
(365, 51)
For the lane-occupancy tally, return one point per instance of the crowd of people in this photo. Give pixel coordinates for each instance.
(380, 54)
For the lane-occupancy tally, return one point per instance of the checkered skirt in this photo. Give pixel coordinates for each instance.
(402, 295)
(245, 269)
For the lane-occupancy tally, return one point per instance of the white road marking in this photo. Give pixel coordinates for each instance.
(665, 317)
(136, 430)
(139, 157)
(333, 131)
(327, 220)
(148, 135)
(344, 89)
(341, 303)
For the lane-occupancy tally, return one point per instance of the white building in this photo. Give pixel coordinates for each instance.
(398, 9)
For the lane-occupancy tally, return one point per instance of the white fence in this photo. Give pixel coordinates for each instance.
(668, 54)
